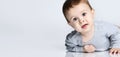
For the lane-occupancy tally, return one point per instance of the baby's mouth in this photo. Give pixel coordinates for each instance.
(84, 26)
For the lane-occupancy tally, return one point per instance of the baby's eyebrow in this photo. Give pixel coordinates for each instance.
(84, 10)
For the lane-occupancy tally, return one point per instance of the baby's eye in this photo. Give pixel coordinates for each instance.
(75, 19)
(83, 14)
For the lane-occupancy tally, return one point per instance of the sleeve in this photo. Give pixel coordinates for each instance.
(114, 36)
(72, 45)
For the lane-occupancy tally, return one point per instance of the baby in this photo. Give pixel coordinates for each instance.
(89, 35)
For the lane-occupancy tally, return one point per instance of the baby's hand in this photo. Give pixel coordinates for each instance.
(89, 48)
(115, 51)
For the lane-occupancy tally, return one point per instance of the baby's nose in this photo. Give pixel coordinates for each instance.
(81, 20)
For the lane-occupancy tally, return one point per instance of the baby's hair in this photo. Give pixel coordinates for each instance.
(71, 3)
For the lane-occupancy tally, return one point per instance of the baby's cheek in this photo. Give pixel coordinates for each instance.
(78, 28)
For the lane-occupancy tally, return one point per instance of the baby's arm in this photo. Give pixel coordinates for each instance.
(115, 44)
(72, 46)
(76, 48)
(115, 40)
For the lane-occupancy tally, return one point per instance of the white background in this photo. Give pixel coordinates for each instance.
(37, 28)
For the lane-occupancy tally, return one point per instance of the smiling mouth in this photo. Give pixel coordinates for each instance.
(84, 26)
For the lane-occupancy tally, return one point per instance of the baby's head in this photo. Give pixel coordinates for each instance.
(79, 14)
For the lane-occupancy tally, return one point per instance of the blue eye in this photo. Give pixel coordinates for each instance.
(83, 14)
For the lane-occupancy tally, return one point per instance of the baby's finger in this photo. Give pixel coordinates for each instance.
(115, 51)
(118, 51)
(111, 51)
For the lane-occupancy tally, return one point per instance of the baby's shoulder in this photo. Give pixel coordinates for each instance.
(104, 24)
(71, 34)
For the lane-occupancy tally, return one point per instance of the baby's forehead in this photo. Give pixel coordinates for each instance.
(79, 8)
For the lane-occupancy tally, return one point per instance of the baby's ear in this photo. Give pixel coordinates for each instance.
(93, 11)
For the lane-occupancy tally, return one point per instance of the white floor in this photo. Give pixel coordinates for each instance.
(24, 47)
(96, 54)
(27, 47)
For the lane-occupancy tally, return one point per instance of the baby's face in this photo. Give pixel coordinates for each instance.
(81, 17)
